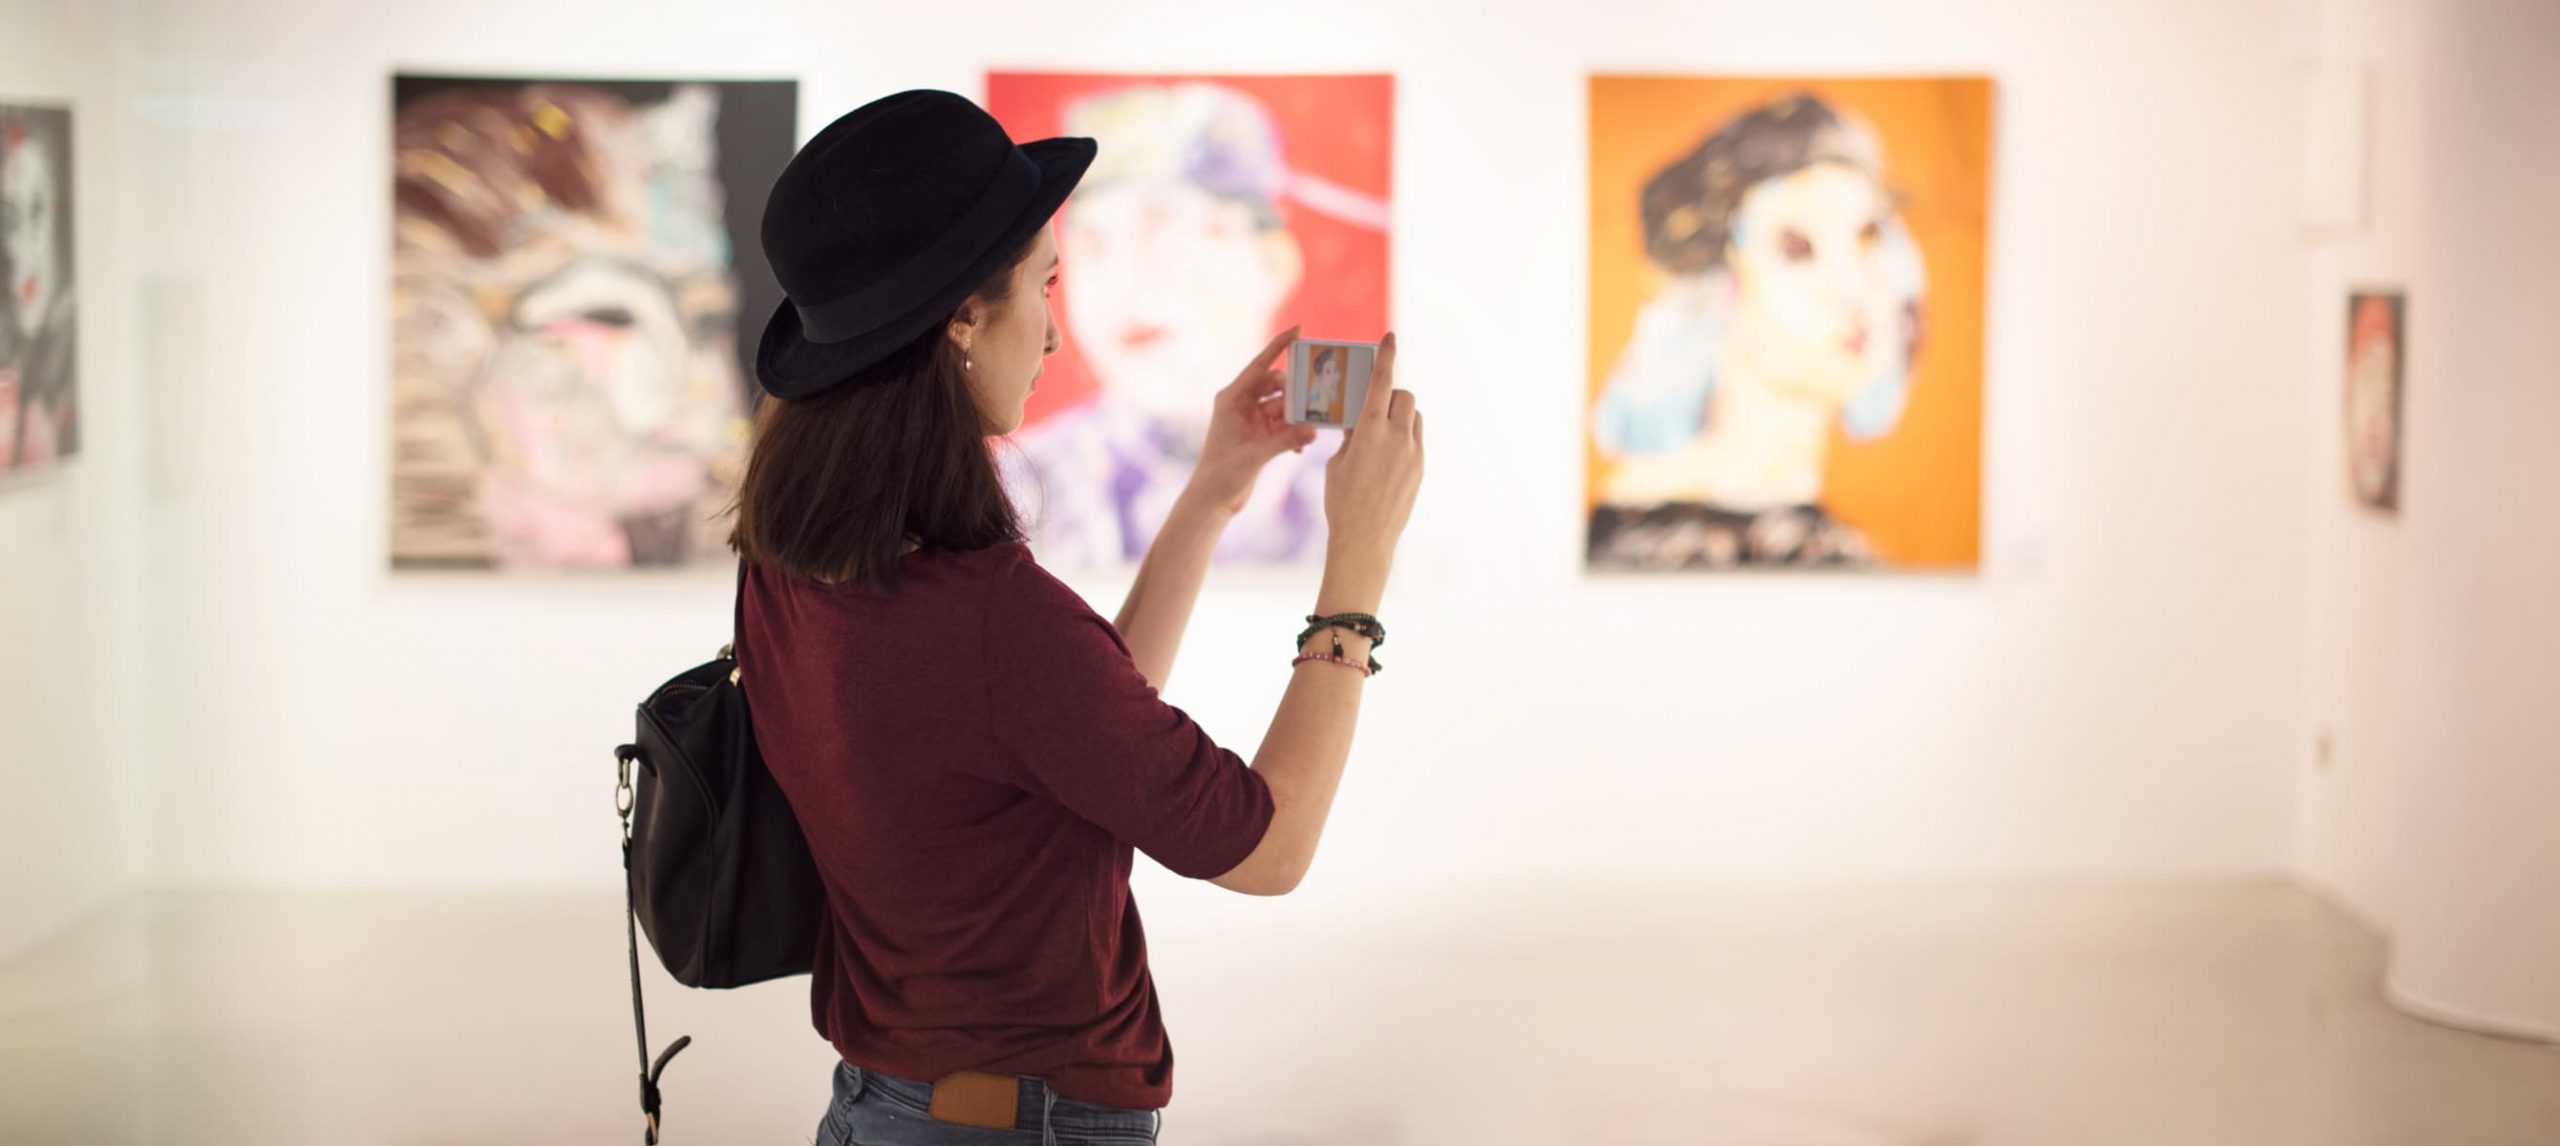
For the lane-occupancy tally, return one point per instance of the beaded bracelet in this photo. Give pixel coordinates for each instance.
(1335, 659)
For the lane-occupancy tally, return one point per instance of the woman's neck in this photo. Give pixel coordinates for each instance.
(1764, 448)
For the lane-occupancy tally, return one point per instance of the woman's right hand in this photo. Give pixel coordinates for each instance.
(1369, 487)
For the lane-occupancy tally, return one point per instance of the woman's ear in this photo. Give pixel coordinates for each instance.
(964, 326)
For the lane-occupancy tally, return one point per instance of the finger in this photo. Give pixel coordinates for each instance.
(1382, 378)
(1271, 352)
(1299, 438)
(1270, 403)
(1417, 430)
(1250, 378)
(1244, 389)
(1400, 409)
(1250, 400)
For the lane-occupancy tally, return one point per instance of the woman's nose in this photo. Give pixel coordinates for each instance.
(1848, 280)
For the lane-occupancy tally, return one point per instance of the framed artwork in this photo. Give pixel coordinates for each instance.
(576, 292)
(39, 319)
(1786, 322)
(1221, 210)
(2377, 325)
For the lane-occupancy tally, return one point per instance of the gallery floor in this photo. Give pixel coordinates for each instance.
(2240, 1014)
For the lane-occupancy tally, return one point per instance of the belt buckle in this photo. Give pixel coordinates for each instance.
(986, 1101)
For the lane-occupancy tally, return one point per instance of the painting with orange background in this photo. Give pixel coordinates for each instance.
(1786, 322)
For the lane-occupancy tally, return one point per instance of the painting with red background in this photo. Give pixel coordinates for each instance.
(1337, 129)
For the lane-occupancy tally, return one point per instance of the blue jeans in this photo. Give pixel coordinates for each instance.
(874, 1109)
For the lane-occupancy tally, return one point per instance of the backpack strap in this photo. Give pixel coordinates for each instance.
(623, 798)
(737, 624)
(649, 1073)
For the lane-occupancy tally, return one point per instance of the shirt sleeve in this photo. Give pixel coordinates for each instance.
(1075, 721)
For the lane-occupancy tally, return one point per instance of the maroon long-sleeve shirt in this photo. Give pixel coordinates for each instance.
(973, 758)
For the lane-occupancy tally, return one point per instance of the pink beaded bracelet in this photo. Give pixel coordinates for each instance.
(1331, 659)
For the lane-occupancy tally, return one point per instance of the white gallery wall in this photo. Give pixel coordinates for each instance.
(2360, 671)
(2117, 693)
(2434, 639)
(2478, 937)
(72, 538)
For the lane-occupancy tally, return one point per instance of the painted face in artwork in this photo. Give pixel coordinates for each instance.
(1820, 315)
(1324, 391)
(29, 226)
(595, 372)
(1168, 280)
(1178, 254)
(564, 284)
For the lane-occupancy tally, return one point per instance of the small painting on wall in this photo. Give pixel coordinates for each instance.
(2376, 348)
(39, 329)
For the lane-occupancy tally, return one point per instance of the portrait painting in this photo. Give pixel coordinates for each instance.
(574, 273)
(1786, 323)
(1220, 211)
(39, 323)
(2375, 339)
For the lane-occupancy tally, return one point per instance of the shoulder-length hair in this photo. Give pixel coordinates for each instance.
(838, 484)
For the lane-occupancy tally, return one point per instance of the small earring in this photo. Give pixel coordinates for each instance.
(968, 364)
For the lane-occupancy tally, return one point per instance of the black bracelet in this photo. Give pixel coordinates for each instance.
(1358, 624)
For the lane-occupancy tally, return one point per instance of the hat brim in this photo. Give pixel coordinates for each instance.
(789, 365)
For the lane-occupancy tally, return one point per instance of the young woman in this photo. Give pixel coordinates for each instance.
(974, 752)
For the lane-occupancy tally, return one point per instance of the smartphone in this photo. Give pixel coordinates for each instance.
(1329, 381)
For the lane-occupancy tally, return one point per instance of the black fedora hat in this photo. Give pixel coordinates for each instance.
(891, 218)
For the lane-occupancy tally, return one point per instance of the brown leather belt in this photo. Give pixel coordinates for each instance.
(986, 1101)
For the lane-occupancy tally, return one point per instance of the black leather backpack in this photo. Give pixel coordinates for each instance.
(715, 867)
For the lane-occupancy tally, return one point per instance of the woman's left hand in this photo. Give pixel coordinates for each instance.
(1249, 427)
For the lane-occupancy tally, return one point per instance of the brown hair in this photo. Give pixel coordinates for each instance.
(473, 162)
(1689, 206)
(838, 483)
